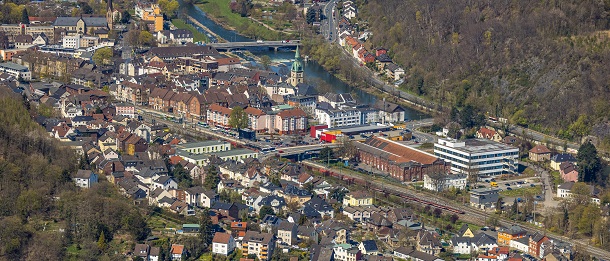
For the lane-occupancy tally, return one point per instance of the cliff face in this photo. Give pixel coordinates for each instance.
(538, 63)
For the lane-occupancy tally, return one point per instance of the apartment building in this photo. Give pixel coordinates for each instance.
(259, 244)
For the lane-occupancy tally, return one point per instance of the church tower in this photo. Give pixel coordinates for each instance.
(296, 71)
(109, 15)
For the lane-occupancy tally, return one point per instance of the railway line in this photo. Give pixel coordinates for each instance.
(467, 213)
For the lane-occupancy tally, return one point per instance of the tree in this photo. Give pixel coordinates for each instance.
(182, 176)
(581, 193)
(145, 38)
(205, 228)
(238, 118)
(266, 61)
(169, 7)
(125, 17)
(265, 210)
(101, 242)
(327, 153)
(102, 56)
(25, 18)
(211, 178)
(338, 194)
(589, 164)
(437, 179)
(86, 8)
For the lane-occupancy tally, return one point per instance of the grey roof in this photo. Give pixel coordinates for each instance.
(369, 245)
(13, 66)
(563, 157)
(287, 226)
(191, 145)
(483, 239)
(463, 229)
(83, 174)
(89, 21)
(163, 179)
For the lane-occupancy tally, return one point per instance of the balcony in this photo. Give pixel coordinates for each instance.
(264, 248)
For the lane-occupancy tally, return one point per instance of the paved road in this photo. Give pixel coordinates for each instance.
(471, 214)
(329, 25)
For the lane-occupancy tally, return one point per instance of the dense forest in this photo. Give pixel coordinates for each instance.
(43, 216)
(542, 64)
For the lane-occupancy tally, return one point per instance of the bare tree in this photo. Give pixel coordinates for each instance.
(437, 179)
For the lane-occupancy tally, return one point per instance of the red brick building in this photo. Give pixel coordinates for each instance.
(400, 161)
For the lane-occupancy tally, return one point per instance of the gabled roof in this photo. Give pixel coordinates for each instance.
(369, 245)
(83, 174)
(563, 157)
(222, 238)
(540, 149)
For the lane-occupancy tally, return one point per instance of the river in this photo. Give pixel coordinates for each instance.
(314, 73)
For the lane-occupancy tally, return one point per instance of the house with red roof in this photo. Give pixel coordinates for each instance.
(485, 133)
(223, 243)
(539, 153)
(218, 115)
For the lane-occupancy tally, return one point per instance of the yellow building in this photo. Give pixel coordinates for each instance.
(150, 13)
(357, 198)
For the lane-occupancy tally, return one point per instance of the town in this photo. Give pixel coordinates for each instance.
(229, 159)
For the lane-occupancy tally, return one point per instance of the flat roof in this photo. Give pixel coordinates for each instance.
(192, 145)
(235, 152)
(484, 191)
(474, 146)
(359, 128)
(13, 66)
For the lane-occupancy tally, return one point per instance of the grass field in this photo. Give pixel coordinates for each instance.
(220, 10)
(520, 192)
(197, 36)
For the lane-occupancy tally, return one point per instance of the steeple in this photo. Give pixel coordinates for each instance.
(110, 15)
(296, 71)
(297, 65)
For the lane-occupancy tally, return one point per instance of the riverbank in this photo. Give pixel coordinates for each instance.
(220, 12)
(197, 35)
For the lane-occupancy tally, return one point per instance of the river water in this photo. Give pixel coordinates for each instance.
(314, 73)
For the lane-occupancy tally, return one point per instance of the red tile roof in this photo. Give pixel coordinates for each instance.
(540, 149)
(296, 112)
(222, 238)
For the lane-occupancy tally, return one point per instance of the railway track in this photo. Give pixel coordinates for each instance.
(466, 213)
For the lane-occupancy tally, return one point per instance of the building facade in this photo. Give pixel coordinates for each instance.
(478, 156)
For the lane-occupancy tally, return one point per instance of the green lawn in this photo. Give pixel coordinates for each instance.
(220, 10)
(197, 36)
(521, 192)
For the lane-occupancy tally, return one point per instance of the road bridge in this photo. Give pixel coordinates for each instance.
(269, 44)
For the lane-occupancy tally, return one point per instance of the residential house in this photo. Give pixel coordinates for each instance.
(368, 247)
(484, 198)
(199, 197)
(539, 153)
(565, 191)
(145, 252)
(465, 231)
(506, 235)
(177, 252)
(260, 244)
(557, 159)
(287, 233)
(346, 252)
(165, 182)
(321, 206)
(456, 181)
(84, 178)
(428, 242)
(414, 255)
(291, 121)
(568, 172)
(535, 243)
(468, 245)
(485, 133)
(357, 198)
(223, 244)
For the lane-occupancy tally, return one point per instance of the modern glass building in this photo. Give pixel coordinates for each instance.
(480, 156)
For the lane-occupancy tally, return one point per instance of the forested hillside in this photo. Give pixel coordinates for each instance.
(539, 63)
(43, 216)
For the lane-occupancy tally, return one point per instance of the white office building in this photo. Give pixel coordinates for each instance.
(481, 156)
(16, 70)
(338, 117)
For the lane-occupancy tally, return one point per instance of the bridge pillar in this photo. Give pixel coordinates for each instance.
(275, 49)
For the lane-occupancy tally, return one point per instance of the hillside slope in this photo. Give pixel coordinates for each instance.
(540, 63)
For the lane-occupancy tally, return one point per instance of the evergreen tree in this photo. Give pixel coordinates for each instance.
(265, 210)
(205, 230)
(211, 178)
(589, 164)
(101, 242)
(25, 18)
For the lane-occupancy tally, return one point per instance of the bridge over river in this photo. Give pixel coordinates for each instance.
(269, 44)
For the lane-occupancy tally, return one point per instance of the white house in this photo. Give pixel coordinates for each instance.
(467, 245)
(177, 252)
(198, 196)
(457, 181)
(84, 178)
(223, 244)
(368, 247)
(165, 182)
(16, 70)
(521, 244)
